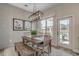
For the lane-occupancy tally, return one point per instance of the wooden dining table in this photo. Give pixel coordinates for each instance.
(35, 41)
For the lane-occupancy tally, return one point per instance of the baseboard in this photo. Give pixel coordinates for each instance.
(61, 47)
(73, 51)
(55, 46)
(76, 51)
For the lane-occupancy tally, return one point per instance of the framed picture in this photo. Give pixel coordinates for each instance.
(27, 25)
(17, 24)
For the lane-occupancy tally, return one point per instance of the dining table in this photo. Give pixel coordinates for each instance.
(35, 41)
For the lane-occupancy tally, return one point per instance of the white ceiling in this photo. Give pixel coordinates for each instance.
(34, 6)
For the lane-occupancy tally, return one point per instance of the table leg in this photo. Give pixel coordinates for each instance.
(50, 46)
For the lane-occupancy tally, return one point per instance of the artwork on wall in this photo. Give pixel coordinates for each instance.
(27, 25)
(17, 24)
(21, 25)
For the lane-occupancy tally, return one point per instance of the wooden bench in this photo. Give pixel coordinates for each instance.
(24, 50)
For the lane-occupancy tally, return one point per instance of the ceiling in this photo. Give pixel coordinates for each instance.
(31, 7)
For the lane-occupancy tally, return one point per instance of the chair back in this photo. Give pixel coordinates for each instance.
(46, 39)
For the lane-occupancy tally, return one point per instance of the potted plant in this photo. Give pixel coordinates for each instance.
(33, 33)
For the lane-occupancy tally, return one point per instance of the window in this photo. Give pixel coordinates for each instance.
(47, 26)
(43, 26)
(50, 26)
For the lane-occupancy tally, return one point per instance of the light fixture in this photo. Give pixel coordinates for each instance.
(36, 15)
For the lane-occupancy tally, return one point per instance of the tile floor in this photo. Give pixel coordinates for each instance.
(55, 52)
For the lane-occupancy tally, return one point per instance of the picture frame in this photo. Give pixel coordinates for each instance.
(27, 25)
(18, 24)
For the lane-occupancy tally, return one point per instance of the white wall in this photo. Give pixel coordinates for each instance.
(8, 12)
(7, 35)
(62, 10)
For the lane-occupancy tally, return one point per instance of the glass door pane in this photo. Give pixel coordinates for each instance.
(64, 31)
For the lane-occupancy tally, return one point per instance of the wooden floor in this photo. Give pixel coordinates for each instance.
(55, 52)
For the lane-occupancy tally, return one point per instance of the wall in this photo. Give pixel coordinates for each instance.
(7, 35)
(62, 10)
(8, 12)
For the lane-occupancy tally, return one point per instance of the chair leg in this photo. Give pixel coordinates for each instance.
(18, 53)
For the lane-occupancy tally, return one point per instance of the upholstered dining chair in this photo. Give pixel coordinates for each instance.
(45, 47)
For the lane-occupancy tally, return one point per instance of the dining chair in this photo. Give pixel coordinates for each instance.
(45, 47)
